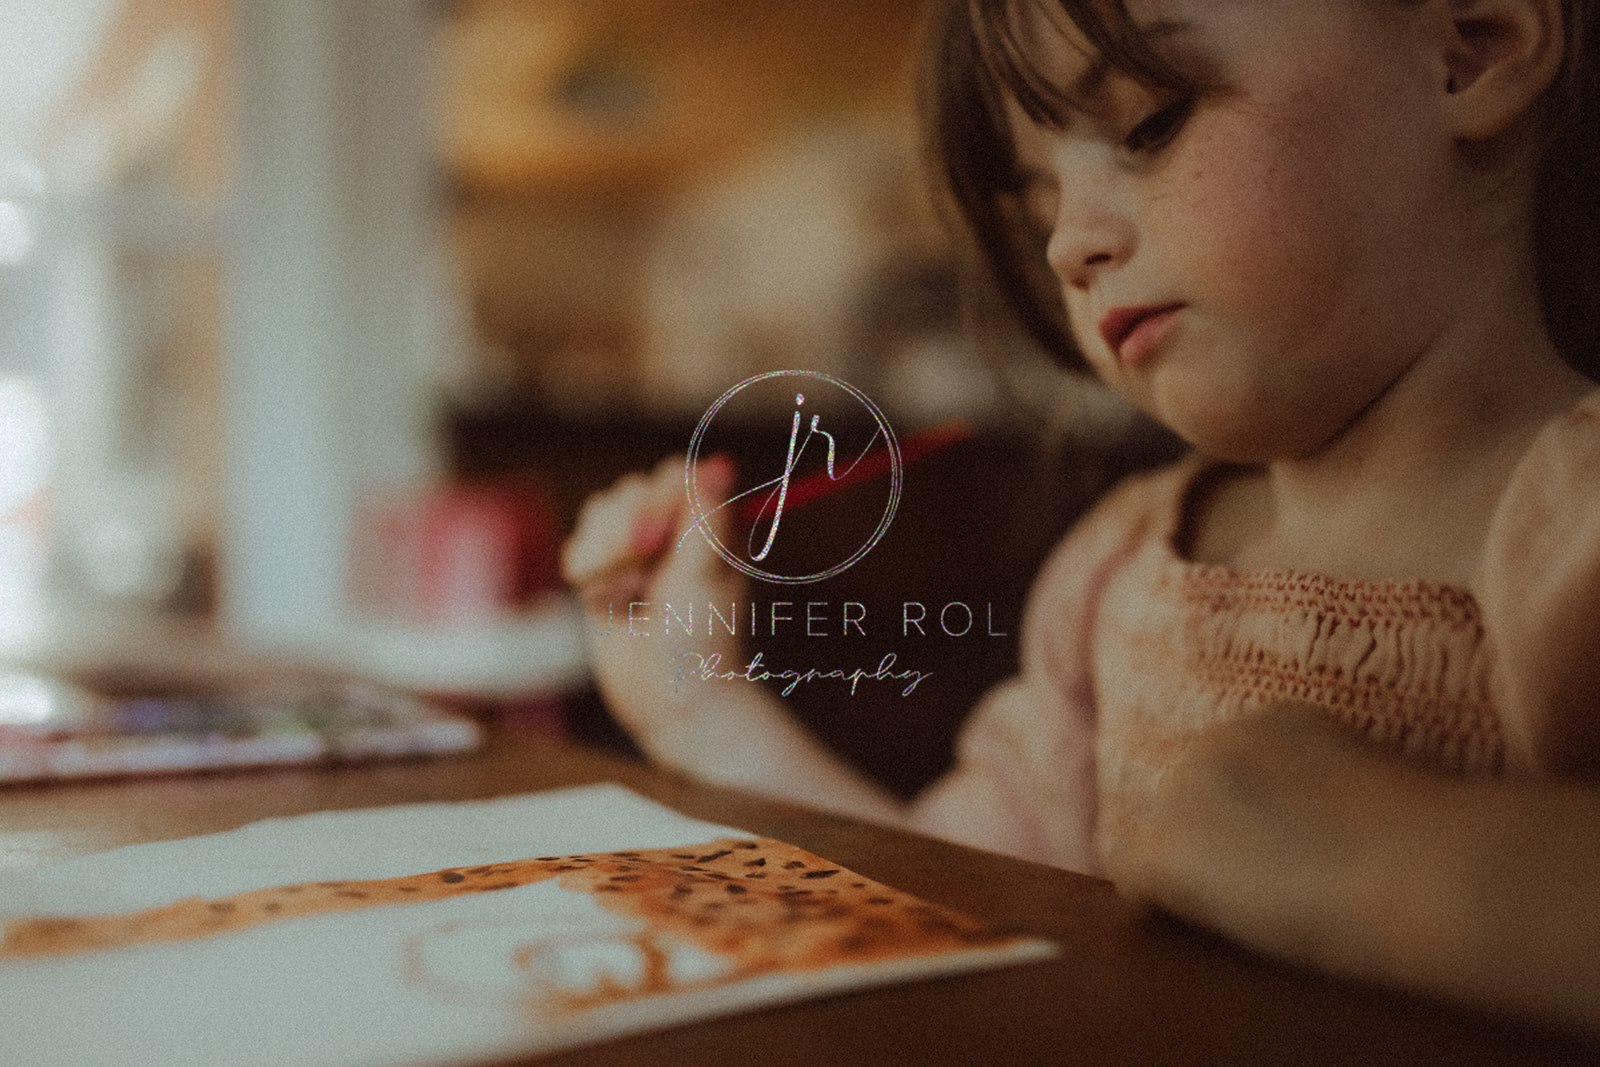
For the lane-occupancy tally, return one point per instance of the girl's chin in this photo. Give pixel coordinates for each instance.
(1245, 436)
(1222, 410)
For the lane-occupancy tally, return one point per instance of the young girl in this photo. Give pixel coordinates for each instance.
(1347, 251)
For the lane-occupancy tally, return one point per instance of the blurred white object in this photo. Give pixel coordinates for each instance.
(538, 651)
(18, 233)
(27, 432)
(43, 48)
(341, 317)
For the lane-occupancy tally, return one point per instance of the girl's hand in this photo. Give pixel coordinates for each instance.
(1286, 832)
(634, 547)
(632, 554)
(1263, 832)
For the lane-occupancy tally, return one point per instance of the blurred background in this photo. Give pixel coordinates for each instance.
(319, 318)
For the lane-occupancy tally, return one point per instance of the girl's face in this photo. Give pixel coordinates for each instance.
(1296, 227)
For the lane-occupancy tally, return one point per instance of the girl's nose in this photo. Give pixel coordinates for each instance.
(1090, 236)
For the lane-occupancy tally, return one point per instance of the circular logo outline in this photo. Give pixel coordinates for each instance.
(699, 515)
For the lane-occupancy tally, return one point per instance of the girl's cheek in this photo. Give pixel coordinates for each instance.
(1258, 230)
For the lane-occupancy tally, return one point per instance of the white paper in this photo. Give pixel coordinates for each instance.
(440, 981)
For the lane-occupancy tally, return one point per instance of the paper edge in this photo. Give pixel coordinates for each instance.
(663, 1013)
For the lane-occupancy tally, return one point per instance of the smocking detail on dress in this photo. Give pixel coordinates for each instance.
(1217, 588)
(1185, 645)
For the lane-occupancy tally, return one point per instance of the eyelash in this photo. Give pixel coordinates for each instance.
(1159, 128)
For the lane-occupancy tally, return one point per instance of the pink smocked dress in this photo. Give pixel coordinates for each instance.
(1129, 650)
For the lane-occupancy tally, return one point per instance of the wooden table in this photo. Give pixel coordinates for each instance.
(1127, 987)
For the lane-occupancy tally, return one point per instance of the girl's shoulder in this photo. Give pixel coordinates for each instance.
(1539, 588)
(1578, 425)
(1141, 507)
(1558, 470)
(1190, 510)
(1580, 420)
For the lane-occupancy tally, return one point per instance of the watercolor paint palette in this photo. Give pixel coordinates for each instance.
(446, 933)
(54, 728)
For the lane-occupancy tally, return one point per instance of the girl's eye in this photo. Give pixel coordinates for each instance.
(1160, 127)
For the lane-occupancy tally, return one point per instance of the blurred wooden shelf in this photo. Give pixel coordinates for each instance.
(620, 98)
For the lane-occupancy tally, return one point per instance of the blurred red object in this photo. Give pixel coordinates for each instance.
(452, 554)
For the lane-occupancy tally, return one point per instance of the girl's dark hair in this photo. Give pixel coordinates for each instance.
(976, 61)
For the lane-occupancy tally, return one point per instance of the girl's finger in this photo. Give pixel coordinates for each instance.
(608, 595)
(628, 525)
(604, 528)
(663, 510)
(713, 482)
(715, 478)
(690, 570)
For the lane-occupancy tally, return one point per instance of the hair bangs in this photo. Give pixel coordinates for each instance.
(1105, 33)
(968, 138)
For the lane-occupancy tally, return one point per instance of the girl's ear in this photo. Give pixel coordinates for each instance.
(1499, 58)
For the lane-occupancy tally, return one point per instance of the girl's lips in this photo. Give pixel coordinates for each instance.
(1132, 332)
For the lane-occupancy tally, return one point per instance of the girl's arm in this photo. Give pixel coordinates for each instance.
(1024, 778)
(628, 549)
(747, 739)
(1024, 782)
(1288, 834)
